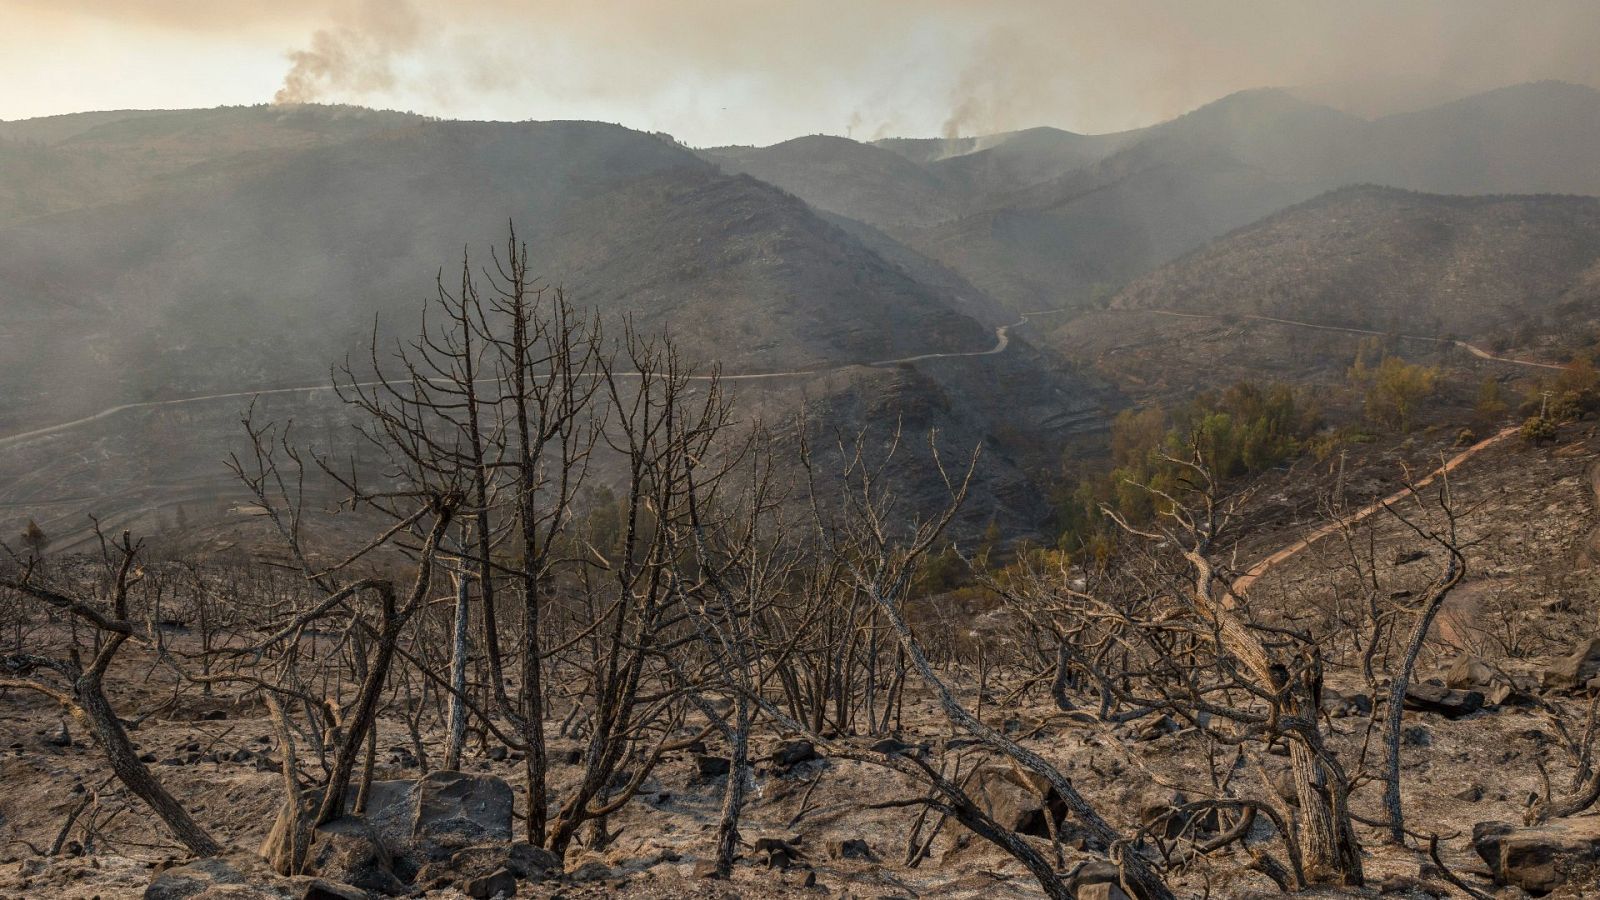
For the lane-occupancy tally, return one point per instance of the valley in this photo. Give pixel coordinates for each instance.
(396, 504)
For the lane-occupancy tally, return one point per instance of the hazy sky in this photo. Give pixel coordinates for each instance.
(741, 71)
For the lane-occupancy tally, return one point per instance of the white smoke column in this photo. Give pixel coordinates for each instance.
(356, 57)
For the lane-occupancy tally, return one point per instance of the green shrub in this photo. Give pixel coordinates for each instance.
(1538, 430)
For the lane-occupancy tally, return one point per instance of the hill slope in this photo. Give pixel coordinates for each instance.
(1392, 260)
(264, 271)
(1049, 219)
(249, 250)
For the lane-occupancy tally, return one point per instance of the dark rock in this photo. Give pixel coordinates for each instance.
(1471, 794)
(771, 844)
(1091, 874)
(1541, 858)
(527, 861)
(711, 766)
(348, 850)
(850, 848)
(792, 753)
(1573, 670)
(388, 816)
(147, 757)
(60, 737)
(215, 715)
(455, 810)
(497, 753)
(892, 746)
(1448, 702)
(500, 883)
(1416, 736)
(1405, 557)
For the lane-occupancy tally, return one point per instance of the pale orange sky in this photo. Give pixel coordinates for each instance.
(739, 71)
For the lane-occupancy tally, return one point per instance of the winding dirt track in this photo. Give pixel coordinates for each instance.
(1002, 340)
(1477, 351)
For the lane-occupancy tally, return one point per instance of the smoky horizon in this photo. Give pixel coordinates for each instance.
(760, 73)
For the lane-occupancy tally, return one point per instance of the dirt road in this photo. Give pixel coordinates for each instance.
(1002, 340)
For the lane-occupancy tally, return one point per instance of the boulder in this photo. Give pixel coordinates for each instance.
(1468, 672)
(1539, 858)
(892, 746)
(711, 766)
(1570, 672)
(391, 807)
(499, 883)
(772, 844)
(348, 850)
(850, 848)
(1089, 879)
(527, 861)
(705, 868)
(1506, 695)
(456, 810)
(792, 753)
(1015, 800)
(589, 869)
(1104, 890)
(388, 814)
(1447, 702)
(522, 860)
(183, 882)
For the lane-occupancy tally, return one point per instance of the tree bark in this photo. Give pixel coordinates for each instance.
(457, 737)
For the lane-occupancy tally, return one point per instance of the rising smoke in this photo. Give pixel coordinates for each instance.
(354, 59)
(763, 70)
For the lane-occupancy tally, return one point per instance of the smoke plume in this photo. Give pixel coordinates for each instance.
(357, 58)
(759, 71)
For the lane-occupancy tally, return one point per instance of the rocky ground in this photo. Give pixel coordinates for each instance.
(1477, 739)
